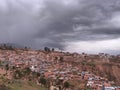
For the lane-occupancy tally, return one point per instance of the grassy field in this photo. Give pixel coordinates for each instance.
(20, 85)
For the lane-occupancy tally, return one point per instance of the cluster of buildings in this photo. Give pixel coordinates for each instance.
(51, 67)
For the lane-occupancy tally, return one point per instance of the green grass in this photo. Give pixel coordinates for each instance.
(20, 84)
(23, 85)
(26, 86)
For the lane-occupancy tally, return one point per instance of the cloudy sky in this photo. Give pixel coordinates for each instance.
(90, 26)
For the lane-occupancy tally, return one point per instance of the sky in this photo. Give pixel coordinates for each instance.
(90, 26)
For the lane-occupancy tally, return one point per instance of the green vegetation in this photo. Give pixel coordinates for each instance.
(7, 67)
(66, 85)
(61, 59)
(4, 87)
(17, 74)
(47, 49)
(43, 81)
(88, 88)
(19, 85)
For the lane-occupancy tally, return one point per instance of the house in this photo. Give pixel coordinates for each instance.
(110, 88)
(54, 88)
(90, 83)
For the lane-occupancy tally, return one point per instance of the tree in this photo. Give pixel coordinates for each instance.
(53, 49)
(35, 75)
(61, 59)
(110, 77)
(5, 46)
(26, 48)
(56, 59)
(13, 67)
(6, 67)
(66, 85)
(0, 63)
(27, 71)
(47, 49)
(38, 74)
(11, 48)
(18, 74)
(4, 87)
(43, 81)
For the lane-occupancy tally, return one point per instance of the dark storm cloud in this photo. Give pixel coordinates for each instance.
(63, 18)
(58, 22)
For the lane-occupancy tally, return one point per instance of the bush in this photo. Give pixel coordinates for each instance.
(3, 87)
(43, 81)
(66, 85)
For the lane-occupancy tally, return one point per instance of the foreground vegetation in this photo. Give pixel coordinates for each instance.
(19, 85)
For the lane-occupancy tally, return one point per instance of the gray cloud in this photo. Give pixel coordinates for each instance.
(53, 23)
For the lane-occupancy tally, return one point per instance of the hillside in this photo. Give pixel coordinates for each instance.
(56, 68)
